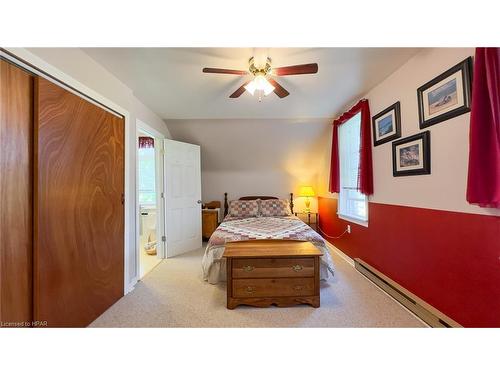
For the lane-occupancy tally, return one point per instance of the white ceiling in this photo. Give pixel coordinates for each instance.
(170, 80)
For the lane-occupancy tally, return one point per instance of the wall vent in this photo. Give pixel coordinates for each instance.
(419, 307)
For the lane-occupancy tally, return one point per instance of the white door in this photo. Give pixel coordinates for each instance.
(182, 197)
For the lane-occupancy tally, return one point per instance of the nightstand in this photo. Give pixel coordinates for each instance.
(306, 217)
(209, 222)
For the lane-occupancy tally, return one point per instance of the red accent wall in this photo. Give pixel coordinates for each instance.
(451, 260)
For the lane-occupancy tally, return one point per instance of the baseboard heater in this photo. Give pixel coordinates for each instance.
(419, 307)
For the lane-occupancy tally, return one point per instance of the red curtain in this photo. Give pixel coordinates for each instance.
(365, 173)
(483, 183)
(146, 142)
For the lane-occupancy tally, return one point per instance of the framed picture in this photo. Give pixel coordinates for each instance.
(446, 96)
(412, 155)
(387, 125)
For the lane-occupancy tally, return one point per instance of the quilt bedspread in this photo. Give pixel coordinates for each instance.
(257, 228)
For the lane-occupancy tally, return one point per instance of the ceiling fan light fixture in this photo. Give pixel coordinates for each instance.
(251, 87)
(268, 89)
(263, 82)
(260, 83)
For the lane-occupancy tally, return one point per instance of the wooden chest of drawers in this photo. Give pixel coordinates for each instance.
(266, 272)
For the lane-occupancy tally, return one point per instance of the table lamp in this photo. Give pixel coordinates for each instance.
(307, 191)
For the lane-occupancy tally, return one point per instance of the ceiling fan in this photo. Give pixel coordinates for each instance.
(262, 81)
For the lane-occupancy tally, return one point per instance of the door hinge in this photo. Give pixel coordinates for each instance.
(164, 238)
(162, 195)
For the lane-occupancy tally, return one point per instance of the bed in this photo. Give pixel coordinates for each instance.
(283, 227)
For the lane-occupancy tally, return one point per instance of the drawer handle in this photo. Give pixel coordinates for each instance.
(298, 287)
(248, 268)
(250, 289)
(297, 268)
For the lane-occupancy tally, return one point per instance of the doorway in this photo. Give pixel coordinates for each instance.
(149, 199)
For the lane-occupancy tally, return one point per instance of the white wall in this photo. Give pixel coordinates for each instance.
(81, 67)
(255, 157)
(445, 187)
(74, 67)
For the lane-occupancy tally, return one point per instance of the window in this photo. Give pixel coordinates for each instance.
(146, 166)
(353, 205)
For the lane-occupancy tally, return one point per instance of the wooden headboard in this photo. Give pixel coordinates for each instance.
(252, 198)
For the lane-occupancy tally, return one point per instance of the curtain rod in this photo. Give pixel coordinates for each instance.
(352, 104)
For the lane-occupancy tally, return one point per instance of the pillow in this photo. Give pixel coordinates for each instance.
(275, 207)
(244, 208)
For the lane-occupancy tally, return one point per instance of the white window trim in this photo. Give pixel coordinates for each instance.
(355, 220)
(346, 216)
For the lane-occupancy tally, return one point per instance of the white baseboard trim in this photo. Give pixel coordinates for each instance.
(340, 253)
(131, 286)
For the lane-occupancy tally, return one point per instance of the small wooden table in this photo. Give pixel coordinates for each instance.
(209, 222)
(265, 272)
(312, 224)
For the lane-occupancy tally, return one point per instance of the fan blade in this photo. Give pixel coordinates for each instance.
(240, 91)
(278, 89)
(225, 71)
(296, 69)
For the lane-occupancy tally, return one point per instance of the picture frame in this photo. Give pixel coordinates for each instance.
(446, 96)
(387, 124)
(412, 155)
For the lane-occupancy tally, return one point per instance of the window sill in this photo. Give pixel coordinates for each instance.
(353, 220)
(147, 206)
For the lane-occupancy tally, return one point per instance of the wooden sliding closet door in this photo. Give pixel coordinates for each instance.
(16, 214)
(79, 212)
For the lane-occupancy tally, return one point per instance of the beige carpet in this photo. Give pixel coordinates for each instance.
(174, 295)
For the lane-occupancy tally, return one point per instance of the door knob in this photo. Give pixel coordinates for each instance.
(199, 202)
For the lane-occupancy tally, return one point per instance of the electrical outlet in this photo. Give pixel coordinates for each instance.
(348, 229)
